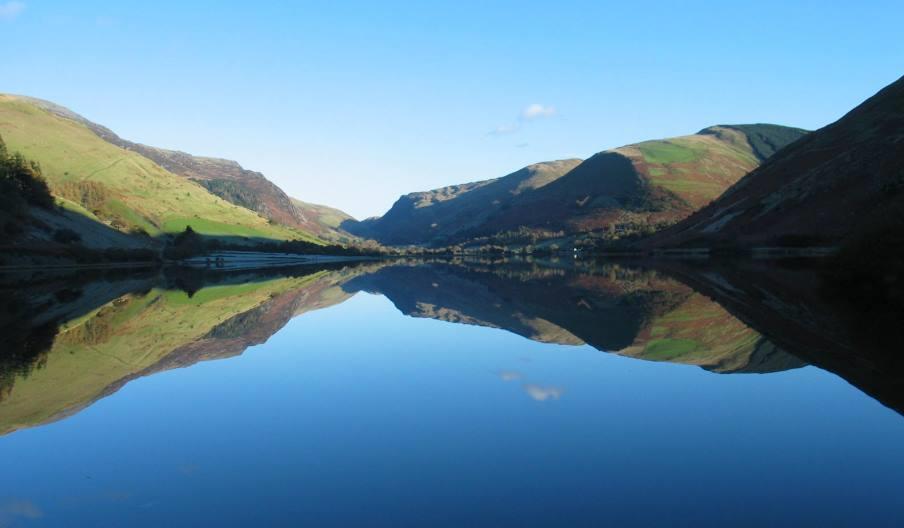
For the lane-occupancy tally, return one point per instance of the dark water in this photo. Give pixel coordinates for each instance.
(448, 394)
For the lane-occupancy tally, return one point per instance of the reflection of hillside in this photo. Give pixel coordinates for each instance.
(69, 344)
(700, 332)
(136, 334)
(642, 314)
(791, 306)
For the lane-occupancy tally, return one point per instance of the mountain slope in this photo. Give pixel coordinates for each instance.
(117, 186)
(327, 221)
(845, 180)
(624, 191)
(457, 211)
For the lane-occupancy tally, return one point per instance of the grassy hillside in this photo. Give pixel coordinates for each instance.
(120, 187)
(616, 193)
(840, 183)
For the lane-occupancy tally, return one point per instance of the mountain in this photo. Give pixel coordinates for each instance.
(628, 190)
(130, 187)
(842, 183)
(457, 211)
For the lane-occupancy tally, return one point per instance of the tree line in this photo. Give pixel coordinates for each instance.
(21, 186)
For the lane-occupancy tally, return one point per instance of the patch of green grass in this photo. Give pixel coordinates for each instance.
(205, 226)
(662, 152)
(668, 349)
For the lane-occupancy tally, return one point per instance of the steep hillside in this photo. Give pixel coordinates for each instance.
(626, 191)
(230, 181)
(843, 181)
(327, 220)
(119, 187)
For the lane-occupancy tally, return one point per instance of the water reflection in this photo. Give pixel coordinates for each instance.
(71, 342)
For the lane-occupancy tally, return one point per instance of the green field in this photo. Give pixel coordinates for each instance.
(697, 168)
(662, 152)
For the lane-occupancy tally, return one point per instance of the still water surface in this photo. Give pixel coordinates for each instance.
(436, 395)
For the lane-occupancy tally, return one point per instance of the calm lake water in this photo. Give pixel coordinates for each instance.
(446, 394)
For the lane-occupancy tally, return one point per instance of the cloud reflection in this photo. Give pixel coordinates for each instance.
(541, 393)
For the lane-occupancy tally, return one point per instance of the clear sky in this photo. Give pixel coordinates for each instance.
(354, 103)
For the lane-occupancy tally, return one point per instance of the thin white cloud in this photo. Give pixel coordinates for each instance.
(536, 111)
(531, 112)
(10, 10)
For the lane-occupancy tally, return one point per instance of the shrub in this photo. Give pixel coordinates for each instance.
(66, 236)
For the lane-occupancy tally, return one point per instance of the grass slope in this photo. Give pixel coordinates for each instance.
(121, 187)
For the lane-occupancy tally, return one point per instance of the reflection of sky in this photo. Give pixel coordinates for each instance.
(356, 414)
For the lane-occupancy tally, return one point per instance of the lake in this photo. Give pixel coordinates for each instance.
(448, 393)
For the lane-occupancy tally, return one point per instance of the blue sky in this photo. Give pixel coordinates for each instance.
(354, 103)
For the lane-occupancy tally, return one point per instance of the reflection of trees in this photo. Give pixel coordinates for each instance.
(24, 349)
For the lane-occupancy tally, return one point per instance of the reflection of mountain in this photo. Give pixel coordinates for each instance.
(146, 329)
(639, 314)
(70, 344)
